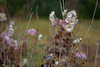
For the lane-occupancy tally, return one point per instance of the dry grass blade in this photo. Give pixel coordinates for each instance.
(97, 44)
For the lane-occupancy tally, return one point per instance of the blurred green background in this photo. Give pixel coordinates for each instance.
(84, 8)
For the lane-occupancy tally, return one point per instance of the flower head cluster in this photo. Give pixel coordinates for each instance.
(71, 17)
(69, 21)
(31, 32)
(13, 43)
(81, 55)
(6, 38)
(53, 18)
(5, 35)
(9, 41)
(65, 48)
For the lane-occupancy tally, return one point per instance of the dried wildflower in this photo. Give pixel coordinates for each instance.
(12, 43)
(64, 45)
(55, 22)
(12, 22)
(51, 18)
(10, 26)
(64, 13)
(3, 35)
(15, 44)
(74, 13)
(80, 39)
(39, 37)
(73, 21)
(63, 22)
(24, 62)
(51, 54)
(69, 14)
(31, 31)
(9, 41)
(47, 58)
(52, 13)
(71, 18)
(7, 38)
(56, 62)
(78, 55)
(81, 55)
(76, 41)
(3, 17)
(10, 32)
(67, 20)
(69, 28)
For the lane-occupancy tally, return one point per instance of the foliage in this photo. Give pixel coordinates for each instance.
(85, 8)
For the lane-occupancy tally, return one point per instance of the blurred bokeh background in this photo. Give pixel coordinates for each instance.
(18, 13)
(84, 8)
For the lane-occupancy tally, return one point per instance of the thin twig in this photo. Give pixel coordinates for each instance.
(28, 24)
(97, 49)
(36, 38)
(50, 36)
(25, 33)
(60, 55)
(87, 53)
(78, 29)
(36, 32)
(9, 16)
(63, 5)
(74, 35)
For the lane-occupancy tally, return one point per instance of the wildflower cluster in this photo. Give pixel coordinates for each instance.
(64, 51)
(67, 23)
(81, 55)
(10, 51)
(6, 37)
